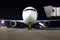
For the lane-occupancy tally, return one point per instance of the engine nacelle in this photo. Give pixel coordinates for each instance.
(13, 23)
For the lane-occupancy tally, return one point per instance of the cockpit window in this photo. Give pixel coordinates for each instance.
(30, 9)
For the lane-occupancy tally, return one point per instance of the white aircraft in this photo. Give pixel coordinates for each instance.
(29, 16)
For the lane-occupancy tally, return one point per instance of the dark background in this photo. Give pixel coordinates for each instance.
(13, 10)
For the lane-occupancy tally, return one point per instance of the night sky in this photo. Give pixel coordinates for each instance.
(14, 10)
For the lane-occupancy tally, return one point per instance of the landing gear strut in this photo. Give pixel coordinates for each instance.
(29, 28)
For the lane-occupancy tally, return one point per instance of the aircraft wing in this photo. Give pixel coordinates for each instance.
(12, 20)
(47, 20)
(42, 22)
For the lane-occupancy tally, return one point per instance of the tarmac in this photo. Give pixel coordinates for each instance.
(25, 34)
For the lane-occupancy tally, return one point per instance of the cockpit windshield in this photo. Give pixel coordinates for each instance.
(30, 9)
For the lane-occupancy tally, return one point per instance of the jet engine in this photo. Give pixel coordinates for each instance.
(13, 23)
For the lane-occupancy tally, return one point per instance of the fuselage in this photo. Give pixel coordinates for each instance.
(29, 15)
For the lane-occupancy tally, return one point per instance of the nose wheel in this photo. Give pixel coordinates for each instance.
(29, 28)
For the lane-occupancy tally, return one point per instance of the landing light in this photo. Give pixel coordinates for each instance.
(2, 21)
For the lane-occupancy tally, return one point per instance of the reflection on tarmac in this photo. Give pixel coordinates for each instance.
(25, 34)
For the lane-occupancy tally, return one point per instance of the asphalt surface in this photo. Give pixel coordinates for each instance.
(25, 34)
